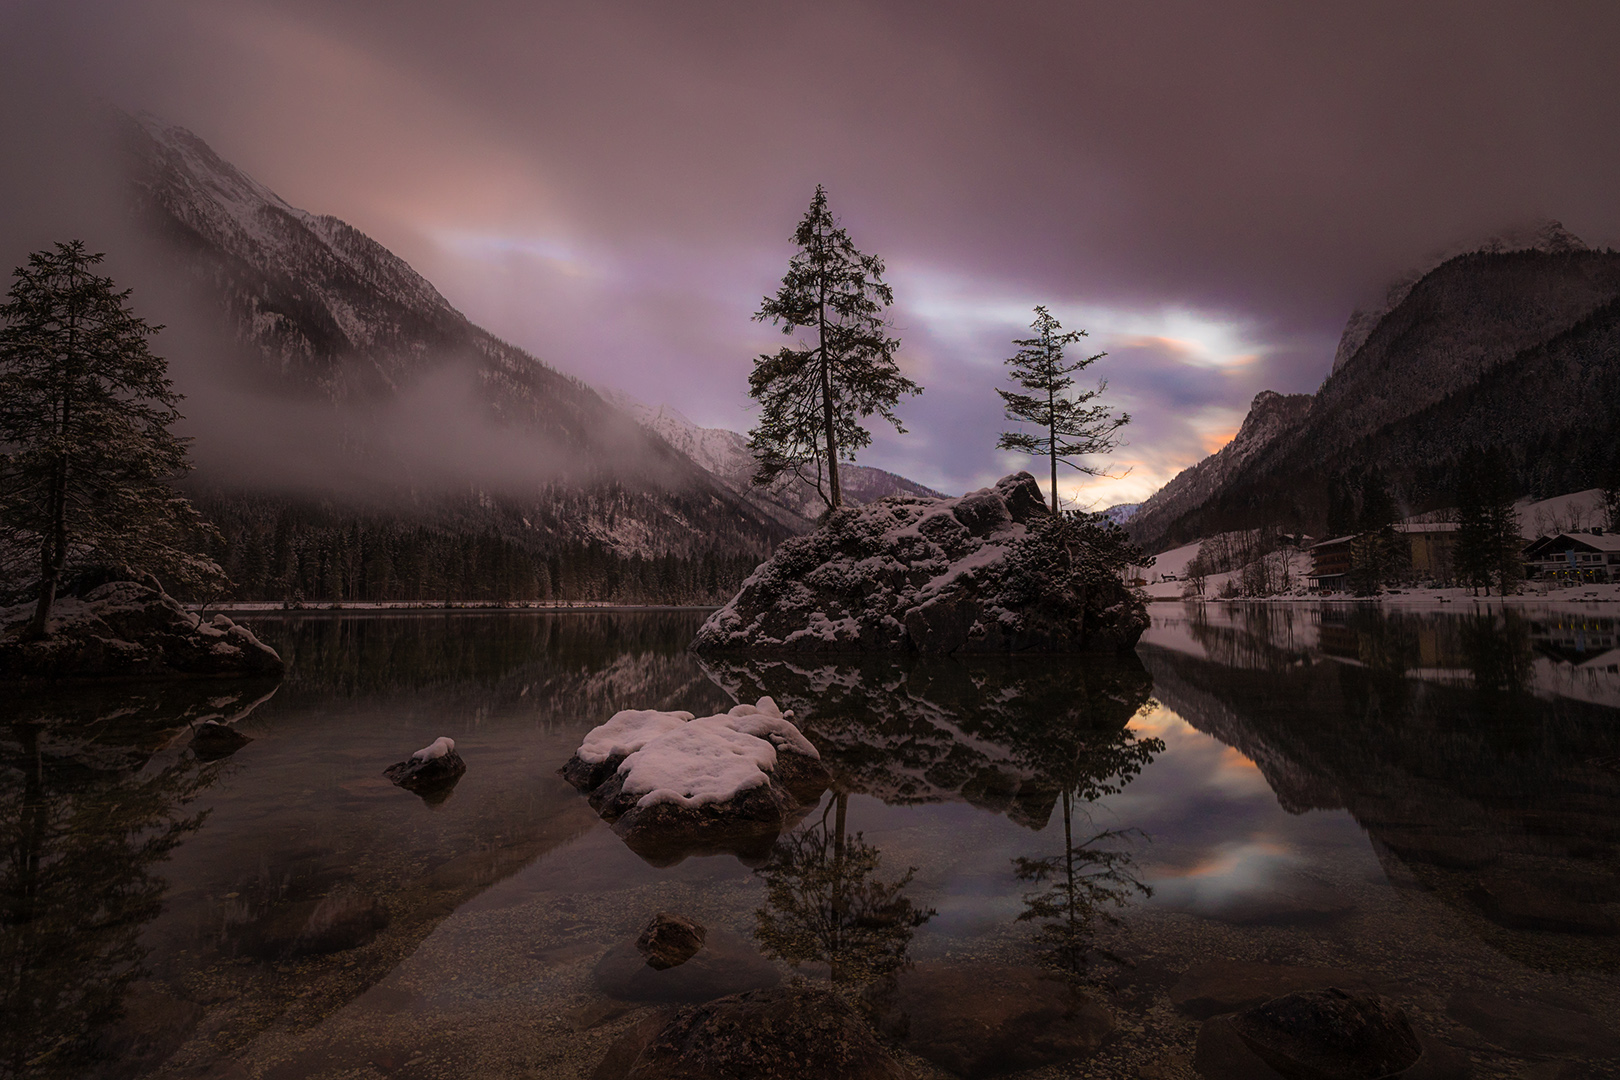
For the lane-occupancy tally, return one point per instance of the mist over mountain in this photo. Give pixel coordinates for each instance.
(1513, 347)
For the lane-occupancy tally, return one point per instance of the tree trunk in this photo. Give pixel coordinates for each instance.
(53, 552)
(835, 491)
(1051, 442)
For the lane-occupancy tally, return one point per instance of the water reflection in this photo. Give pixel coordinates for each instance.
(1448, 741)
(89, 810)
(825, 904)
(1006, 735)
(1015, 736)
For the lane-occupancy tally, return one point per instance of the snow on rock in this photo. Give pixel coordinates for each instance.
(436, 749)
(434, 768)
(669, 781)
(927, 575)
(129, 629)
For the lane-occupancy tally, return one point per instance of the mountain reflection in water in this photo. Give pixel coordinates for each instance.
(1481, 771)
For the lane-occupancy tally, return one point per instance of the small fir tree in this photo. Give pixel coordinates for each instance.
(85, 412)
(1488, 541)
(814, 397)
(1073, 427)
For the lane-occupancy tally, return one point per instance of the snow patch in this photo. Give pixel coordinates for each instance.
(438, 748)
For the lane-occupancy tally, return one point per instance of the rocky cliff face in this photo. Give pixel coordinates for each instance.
(1269, 416)
(1488, 346)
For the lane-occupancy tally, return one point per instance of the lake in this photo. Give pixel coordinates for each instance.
(1425, 800)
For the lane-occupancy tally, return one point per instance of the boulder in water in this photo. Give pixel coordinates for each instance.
(672, 784)
(432, 768)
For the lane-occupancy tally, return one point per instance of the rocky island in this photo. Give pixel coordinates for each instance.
(994, 571)
(129, 629)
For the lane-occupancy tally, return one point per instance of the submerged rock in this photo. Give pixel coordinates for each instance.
(787, 1033)
(982, 1020)
(672, 784)
(991, 572)
(670, 940)
(431, 769)
(129, 629)
(212, 740)
(1326, 1034)
(723, 964)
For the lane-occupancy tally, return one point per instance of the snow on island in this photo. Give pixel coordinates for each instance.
(978, 574)
(673, 784)
(433, 769)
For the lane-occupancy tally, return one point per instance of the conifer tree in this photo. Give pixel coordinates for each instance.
(814, 397)
(1074, 428)
(85, 411)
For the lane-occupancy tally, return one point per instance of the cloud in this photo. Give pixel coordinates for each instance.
(1207, 190)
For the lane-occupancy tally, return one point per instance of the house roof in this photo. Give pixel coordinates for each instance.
(1604, 542)
(1427, 526)
(1330, 543)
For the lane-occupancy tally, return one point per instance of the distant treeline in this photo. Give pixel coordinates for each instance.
(286, 550)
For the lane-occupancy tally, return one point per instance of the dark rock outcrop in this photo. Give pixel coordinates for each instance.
(984, 573)
(793, 1031)
(129, 629)
(981, 1020)
(1223, 986)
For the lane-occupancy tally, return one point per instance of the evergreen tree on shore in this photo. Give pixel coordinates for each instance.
(85, 413)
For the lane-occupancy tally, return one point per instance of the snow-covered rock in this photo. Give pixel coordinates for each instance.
(129, 629)
(971, 574)
(668, 781)
(432, 768)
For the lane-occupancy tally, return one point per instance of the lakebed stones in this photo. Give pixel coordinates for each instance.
(982, 1020)
(1326, 1034)
(967, 575)
(673, 785)
(129, 629)
(431, 770)
(788, 1032)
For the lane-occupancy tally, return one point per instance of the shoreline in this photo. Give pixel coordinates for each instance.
(277, 608)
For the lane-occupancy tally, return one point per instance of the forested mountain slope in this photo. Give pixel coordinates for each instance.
(324, 317)
(1517, 349)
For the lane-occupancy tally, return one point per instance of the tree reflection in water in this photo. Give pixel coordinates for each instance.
(1014, 735)
(824, 903)
(85, 819)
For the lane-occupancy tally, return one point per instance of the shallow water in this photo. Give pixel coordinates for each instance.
(1425, 799)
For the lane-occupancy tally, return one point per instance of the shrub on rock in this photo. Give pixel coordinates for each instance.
(991, 572)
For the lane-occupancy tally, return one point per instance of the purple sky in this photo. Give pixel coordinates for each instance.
(1208, 189)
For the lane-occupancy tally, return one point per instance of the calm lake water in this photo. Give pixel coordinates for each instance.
(1428, 800)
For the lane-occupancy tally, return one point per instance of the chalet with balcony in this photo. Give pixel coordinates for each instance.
(1575, 558)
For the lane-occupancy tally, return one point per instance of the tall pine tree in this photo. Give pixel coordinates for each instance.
(814, 397)
(85, 411)
(1072, 426)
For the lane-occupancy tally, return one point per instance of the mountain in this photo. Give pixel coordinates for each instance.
(1516, 348)
(328, 321)
(725, 455)
(1120, 513)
